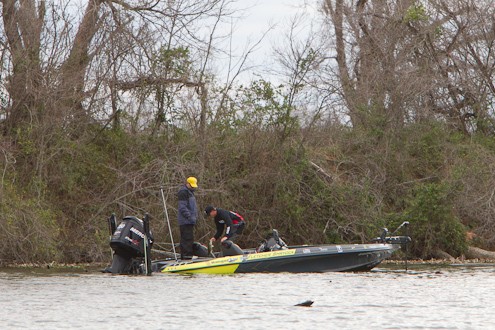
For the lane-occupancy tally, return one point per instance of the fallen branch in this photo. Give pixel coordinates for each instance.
(319, 169)
(477, 253)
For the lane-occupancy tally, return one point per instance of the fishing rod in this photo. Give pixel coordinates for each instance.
(168, 223)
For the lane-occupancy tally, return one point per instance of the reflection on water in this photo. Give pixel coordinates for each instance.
(428, 297)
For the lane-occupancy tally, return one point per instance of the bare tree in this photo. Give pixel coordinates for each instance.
(399, 61)
(57, 62)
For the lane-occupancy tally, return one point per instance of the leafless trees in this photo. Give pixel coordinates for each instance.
(62, 61)
(400, 61)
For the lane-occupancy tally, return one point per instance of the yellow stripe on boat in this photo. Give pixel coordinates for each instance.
(224, 265)
(227, 269)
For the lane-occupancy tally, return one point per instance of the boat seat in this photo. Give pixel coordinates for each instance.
(229, 248)
(200, 250)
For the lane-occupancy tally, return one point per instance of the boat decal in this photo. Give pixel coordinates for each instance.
(339, 249)
(223, 265)
(220, 269)
(306, 251)
(271, 254)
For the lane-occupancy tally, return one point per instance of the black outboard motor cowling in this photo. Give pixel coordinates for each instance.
(127, 242)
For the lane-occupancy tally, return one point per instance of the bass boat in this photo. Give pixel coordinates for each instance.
(131, 245)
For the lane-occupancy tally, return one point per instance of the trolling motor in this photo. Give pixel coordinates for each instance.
(384, 238)
(131, 243)
(402, 240)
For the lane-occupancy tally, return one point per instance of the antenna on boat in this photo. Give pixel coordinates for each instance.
(168, 222)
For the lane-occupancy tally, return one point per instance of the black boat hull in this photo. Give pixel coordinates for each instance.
(314, 259)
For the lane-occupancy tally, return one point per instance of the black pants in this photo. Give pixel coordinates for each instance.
(186, 241)
(237, 230)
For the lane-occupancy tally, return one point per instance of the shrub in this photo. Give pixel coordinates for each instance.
(433, 222)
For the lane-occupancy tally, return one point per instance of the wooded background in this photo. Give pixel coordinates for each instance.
(383, 114)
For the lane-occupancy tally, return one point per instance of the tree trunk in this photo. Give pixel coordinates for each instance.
(73, 71)
(477, 253)
(22, 25)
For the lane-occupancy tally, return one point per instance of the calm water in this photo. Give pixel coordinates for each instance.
(454, 297)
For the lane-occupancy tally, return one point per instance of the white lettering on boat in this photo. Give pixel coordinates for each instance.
(264, 255)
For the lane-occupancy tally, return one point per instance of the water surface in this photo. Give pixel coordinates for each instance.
(449, 297)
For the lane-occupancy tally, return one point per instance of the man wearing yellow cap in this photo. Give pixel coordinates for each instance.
(187, 216)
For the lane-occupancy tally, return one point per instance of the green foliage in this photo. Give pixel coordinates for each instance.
(83, 162)
(263, 105)
(425, 145)
(433, 221)
(486, 141)
(30, 232)
(25, 141)
(173, 61)
(306, 62)
(273, 183)
(416, 12)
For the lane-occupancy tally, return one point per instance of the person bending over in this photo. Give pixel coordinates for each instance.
(231, 222)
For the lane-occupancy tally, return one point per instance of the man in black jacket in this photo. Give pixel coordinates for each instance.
(233, 223)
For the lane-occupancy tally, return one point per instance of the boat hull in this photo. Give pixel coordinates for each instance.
(302, 259)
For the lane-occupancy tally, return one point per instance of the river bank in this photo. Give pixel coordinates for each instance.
(91, 267)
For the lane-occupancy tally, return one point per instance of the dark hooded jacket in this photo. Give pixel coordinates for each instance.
(226, 220)
(188, 210)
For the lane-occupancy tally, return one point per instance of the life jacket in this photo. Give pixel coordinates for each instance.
(236, 217)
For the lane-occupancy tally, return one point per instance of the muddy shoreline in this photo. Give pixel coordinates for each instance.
(101, 265)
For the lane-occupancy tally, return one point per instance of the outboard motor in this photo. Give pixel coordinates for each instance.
(127, 242)
(273, 242)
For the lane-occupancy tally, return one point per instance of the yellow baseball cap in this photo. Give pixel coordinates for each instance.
(192, 181)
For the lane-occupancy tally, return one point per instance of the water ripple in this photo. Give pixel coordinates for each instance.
(448, 298)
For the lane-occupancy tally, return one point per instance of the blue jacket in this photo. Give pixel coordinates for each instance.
(188, 210)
